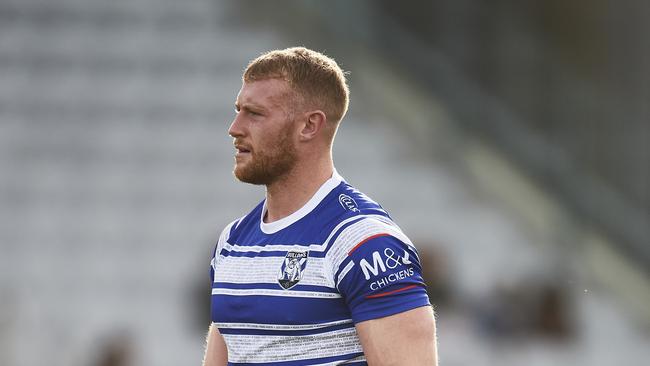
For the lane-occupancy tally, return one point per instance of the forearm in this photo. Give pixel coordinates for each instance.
(216, 353)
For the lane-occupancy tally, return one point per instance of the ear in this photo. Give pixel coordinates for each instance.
(314, 123)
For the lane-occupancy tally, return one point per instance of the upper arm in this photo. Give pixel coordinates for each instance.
(377, 270)
(216, 353)
(380, 276)
(407, 338)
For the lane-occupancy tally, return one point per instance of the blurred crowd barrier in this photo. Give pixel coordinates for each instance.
(115, 168)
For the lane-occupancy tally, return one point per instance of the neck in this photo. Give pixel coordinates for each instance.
(292, 191)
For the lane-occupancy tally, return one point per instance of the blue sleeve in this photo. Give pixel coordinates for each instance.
(381, 277)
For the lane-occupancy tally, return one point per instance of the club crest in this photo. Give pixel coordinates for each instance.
(292, 268)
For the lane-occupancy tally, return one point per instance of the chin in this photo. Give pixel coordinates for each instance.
(247, 177)
(237, 172)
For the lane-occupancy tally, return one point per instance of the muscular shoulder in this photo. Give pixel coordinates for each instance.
(227, 232)
(243, 224)
(356, 202)
(360, 230)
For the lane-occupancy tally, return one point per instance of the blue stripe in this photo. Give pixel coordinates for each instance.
(272, 286)
(313, 361)
(282, 253)
(241, 309)
(275, 253)
(265, 332)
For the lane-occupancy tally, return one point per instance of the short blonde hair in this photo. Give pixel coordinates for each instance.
(315, 78)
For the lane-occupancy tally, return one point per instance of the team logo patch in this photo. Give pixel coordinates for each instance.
(292, 268)
(348, 203)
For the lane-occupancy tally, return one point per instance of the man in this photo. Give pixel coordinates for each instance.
(317, 273)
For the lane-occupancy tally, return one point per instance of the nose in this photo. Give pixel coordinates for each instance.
(236, 128)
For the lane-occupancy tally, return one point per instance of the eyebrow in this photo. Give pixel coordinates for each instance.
(249, 106)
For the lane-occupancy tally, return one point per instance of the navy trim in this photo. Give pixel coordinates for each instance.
(270, 286)
(275, 253)
(313, 361)
(265, 332)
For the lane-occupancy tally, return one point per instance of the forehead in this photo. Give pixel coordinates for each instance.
(266, 93)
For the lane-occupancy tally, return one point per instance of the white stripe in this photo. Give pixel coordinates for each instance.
(328, 264)
(223, 237)
(324, 245)
(357, 233)
(312, 247)
(247, 348)
(239, 222)
(225, 234)
(264, 248)
(259, 326)
(267, 270)
(269, 292)
(345, 271)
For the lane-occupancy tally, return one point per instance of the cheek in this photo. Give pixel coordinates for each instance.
(272, 138)
(270, 135)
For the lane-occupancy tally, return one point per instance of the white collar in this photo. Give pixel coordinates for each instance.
(275, 226)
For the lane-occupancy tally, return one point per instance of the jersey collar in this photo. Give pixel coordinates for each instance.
(326, 188)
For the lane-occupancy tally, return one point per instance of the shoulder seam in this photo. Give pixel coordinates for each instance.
(227, 231)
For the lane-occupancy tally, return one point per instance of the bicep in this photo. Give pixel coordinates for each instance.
(381, 277)
(216, 353)
(407, 338)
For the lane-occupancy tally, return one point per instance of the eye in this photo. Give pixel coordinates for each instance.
(253, 112)
(248, 111)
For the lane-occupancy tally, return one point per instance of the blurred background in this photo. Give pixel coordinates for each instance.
(509, 139)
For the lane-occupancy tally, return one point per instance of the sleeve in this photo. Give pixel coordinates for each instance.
(380, 275)
(213, 262)
(225, 234)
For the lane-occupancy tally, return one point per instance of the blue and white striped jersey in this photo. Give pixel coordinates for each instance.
(290, 292)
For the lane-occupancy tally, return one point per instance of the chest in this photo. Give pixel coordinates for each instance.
(271, 283)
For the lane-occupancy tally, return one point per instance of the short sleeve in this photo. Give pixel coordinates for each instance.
(213, 263)
(225, 233)
(381, 276)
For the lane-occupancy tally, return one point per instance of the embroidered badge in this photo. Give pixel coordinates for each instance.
(348, 203)
(292, 268)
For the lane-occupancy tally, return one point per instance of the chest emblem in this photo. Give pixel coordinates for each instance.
(292, 268)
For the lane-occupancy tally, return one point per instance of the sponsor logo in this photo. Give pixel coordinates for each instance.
(383, 263)
(348, 203)
(380, 264)
(393, 277)
(292, 268)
